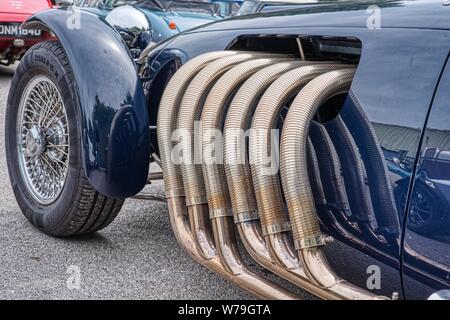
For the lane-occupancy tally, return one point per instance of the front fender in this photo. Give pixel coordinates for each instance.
(113, 112)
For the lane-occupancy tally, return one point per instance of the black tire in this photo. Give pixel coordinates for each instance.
(79, 208)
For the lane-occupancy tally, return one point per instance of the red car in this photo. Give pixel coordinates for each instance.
(15, 41)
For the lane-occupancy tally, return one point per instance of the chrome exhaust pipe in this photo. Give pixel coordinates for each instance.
(167, 119)
(214, 175)
(297, 190)
(202, 201)
(271, 207)
(191, 169)
(241, 185)
(194, 232)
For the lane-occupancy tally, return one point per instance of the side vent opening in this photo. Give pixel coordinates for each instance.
(310, 48)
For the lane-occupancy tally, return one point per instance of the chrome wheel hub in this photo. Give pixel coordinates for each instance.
(34, 142)
(43, 140)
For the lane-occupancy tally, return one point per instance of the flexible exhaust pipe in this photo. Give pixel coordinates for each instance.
(194, 232)
(269, 198)
(213, 171)
(191, 169)
(271, 207)
(240, 183)
(194, 186)
(297, 190)
(167, 119)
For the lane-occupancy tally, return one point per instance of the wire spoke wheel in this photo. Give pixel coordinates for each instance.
(44, 148)
(43, 140)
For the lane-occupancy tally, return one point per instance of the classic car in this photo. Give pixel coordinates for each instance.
(14, 41)
(292, 131)
(160, 19)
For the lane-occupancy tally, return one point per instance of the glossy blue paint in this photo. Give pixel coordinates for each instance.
(113, 111)
(427, 237)
(393, 90)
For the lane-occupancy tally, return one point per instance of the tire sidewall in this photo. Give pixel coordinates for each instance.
(42, 61)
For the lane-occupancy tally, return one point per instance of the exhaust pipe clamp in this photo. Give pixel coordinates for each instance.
(246, 216)
(192, 201)
(278, 227)
(220, 212)
(311, 242)
(174, 193)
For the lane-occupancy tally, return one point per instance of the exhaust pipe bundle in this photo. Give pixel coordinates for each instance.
(216, 188)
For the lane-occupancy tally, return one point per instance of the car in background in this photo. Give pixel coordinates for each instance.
(14, 41)
(258, 6)
(142, 22)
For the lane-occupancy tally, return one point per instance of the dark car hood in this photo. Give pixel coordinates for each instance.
(421, 14)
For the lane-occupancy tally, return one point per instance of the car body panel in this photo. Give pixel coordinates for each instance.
(113, 113)
(427, 235)
(388, 60)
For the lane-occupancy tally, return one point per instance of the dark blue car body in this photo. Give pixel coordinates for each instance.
(402, 84)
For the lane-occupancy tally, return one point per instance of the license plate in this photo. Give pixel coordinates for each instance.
(14, 30)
